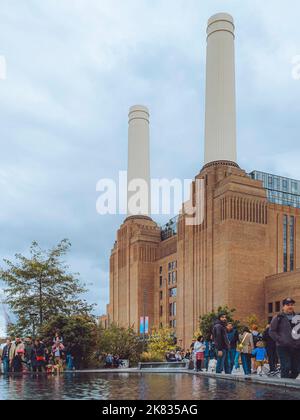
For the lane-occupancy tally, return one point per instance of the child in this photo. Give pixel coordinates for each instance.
(199, 350)
(261, 357)
(50, 365)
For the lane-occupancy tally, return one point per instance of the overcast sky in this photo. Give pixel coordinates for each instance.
(74, 67)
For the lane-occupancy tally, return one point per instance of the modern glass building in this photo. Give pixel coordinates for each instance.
(284, 191)
(170, 229)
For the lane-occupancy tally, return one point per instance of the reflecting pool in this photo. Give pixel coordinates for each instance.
(140, 386)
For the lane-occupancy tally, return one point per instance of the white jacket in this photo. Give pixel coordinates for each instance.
(199, 347)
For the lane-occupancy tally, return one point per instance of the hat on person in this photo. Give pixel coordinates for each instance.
(288, 301)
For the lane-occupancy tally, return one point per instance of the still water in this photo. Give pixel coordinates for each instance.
(85, 386)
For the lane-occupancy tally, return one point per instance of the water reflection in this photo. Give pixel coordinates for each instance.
(134, 387)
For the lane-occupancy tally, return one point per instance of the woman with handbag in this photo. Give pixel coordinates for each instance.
(246, 347)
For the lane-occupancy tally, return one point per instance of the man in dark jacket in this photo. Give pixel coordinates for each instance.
(271, 350)
(221, 342)
(285, 331)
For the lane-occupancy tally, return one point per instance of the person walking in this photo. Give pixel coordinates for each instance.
(233, 338)
(199, 349)
(285, 331)
(5, 357)
(246, 347)
(221, 342)
(271, 350)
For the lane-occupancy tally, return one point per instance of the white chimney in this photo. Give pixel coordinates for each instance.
(220, 119)
(138, 201)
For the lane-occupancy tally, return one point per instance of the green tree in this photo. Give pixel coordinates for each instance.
(41, 287)
(120, 341)
(207, 321)
(161, 341)
(79, 333)
(254, 320)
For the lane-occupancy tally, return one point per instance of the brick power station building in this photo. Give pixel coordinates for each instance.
(246, 251)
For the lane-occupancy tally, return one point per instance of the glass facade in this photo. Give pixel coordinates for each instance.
(292, 243)
(285, 243)
(280, 190)
(170, 229)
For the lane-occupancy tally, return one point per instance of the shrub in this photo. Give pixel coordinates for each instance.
(152, 357)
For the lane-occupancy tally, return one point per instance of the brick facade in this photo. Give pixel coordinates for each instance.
(235, 258)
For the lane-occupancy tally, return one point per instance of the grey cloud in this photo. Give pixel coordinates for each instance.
(75, 67)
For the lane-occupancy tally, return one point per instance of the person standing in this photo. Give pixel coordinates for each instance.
(257, 338)
(193, 360)
(16, 349)
(271, 350)
(69, 358)
(285, 331)
(5, 357)
(199, 349)
(260, 357)
(28, 346)
(207, 354)
(246, 348)
(38, 356)
(233, 338)
(221, 342)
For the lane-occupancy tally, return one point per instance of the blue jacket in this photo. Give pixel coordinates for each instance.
(260, 354)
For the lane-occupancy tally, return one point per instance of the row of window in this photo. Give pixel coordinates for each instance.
(172, 266)
(283, 191)
(172, 324)
(272, 306)
(278, 183)
(172, 293)
(288, 237)
(172, 310)
(172, 279)
(284, 199)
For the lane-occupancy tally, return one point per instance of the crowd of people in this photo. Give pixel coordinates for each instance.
(113, 361)
(273, 351)
(28, 355)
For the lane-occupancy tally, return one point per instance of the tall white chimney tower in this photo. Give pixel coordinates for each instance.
(220, 119)
(139, 162)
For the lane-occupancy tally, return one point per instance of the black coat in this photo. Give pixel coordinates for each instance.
(281, 333)
(220, 336)
(270, 343)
